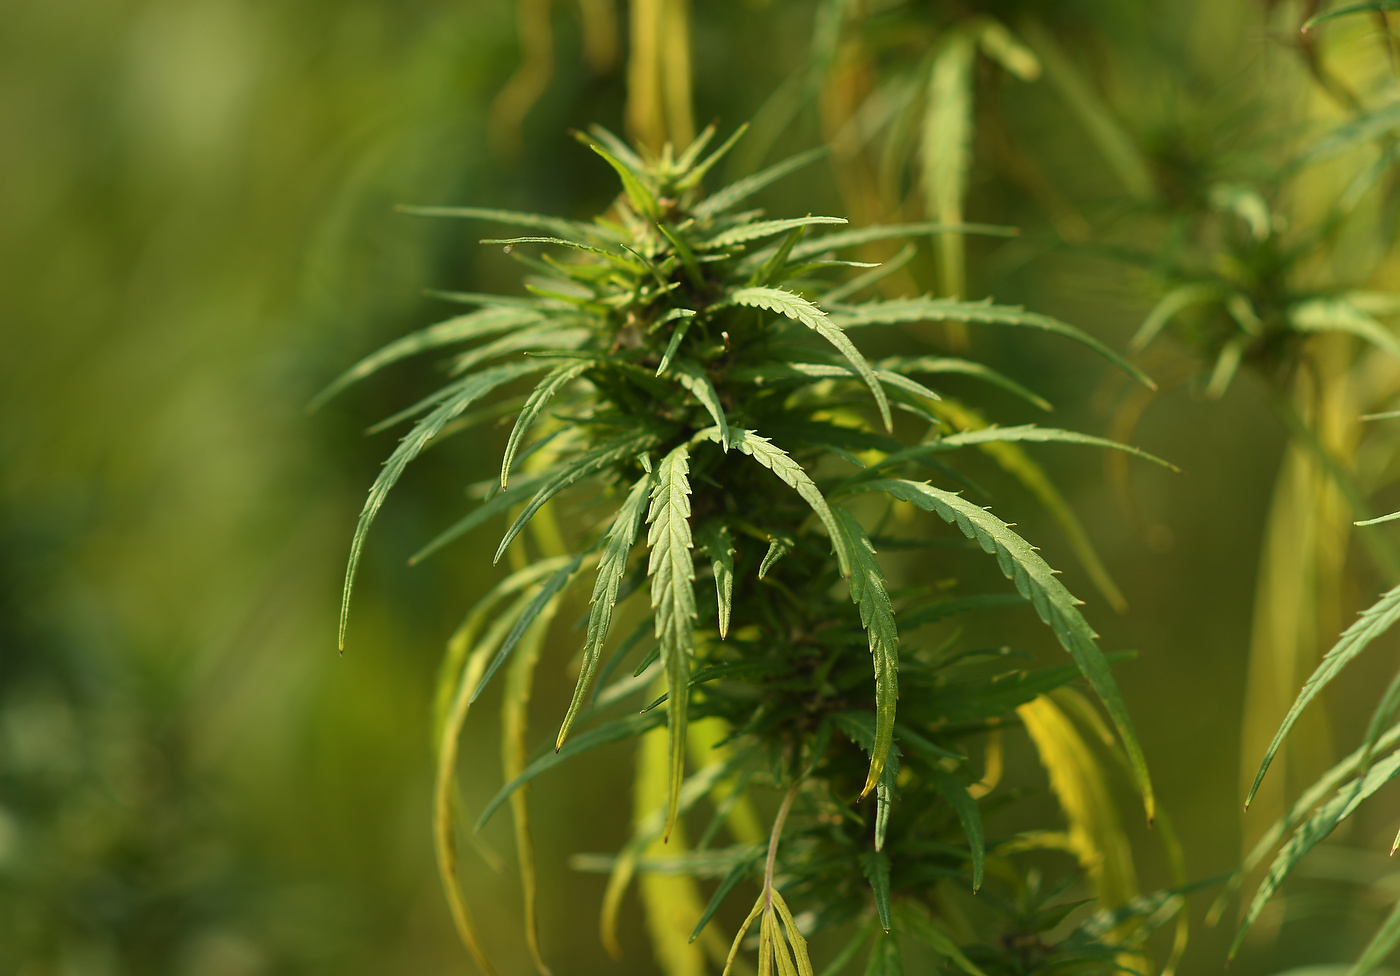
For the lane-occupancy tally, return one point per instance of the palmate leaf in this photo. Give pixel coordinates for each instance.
(798, 309)
(910, 310)
(611, 568)
(561, 377)
(462, 395)
(868, 592)
(1036, 581)
(1373, 621)
(672, 574)
(588, 463)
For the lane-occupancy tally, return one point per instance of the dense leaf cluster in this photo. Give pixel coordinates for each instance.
(730, 460)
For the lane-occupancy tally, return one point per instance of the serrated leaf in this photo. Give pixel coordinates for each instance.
(1042, 435)
(462, 395)
(678, 332)
(612, 566)
(642, 198)
(697, 382)
(779, 545)
(1373, 621)
(798, 309)
(547, 335)
(968, 815)
(754, 913)
(965, 367)
(867, 584)
(561, 377)
(1036, 581)
(740, 190)
(794, 937)
(925, 309)
(588, 463)
(775, 459)
(875, 865)
(719, 545)
(672, 574)
(763, 228)
(462, 328)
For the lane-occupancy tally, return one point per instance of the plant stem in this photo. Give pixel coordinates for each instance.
(773, 846)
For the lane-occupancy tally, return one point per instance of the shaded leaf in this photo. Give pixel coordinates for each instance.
(561, 377)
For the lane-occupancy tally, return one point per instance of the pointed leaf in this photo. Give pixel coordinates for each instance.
(697, 382)
(740, 190)
(719, 545)
(763, 228)
(1173, 302)
(947, 148)
(513, 218)
(1373, 621)
(1340, 315)
(968, 815)
(798, 309)
(883, 232)
(938, 940)
(1036, 581)
(642, 199)
(536, 607)
(966, 367)
(539, 399)
(1042, 435)
(876, 867)
(611, 568)
(672, 576)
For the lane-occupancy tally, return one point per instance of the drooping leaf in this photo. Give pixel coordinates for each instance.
(611, 568)
(1173, 302)
(936, 939)
(514, 218)
(1056, 606)
(561, 377)
(464, 394)
(968, 815)
(1373, 621)
(1042, 435)
(588, 463)
(719, 545)
(697, 382)
(876, 867)
(966, 367)
(672, 576)
(537, 606)
(798, 309)
(731, 881)
(910, 310)
(1340, 315)
(867, 584)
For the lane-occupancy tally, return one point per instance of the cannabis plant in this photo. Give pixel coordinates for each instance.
(700, 440)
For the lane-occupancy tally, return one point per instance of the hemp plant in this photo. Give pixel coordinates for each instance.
(696, 393)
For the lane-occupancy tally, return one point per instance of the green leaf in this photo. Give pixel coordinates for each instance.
(966, 367)
(730, 882)
(740, 190)
(1177, 300)
(588, 463)
(875, 275)
(514, 218)
(1371, 6)
(1340, 315)
(883, 232)
(876, 867)
(1042, 435)
(798, 309)
(678, 332)
(947, 149)
(493, 506)
(938, 940)
(543, 336)
(775, 459)
(925, 309)
(763, 228)
(697, 382)
(719, 545)
(611, 568)
(463, 328)
(779, 545)
(1001, 46)
(624, 728)
(867, 584)
(1313, 830)
(539, 399)
(1036, 581)
(461, 396)
(1373, 621)
(1388, 935)
(968, 815)
(672, 574)
(642, 198)
(552, 588)
(694, 176)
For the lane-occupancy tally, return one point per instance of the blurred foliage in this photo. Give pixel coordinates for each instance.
(198, 234)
